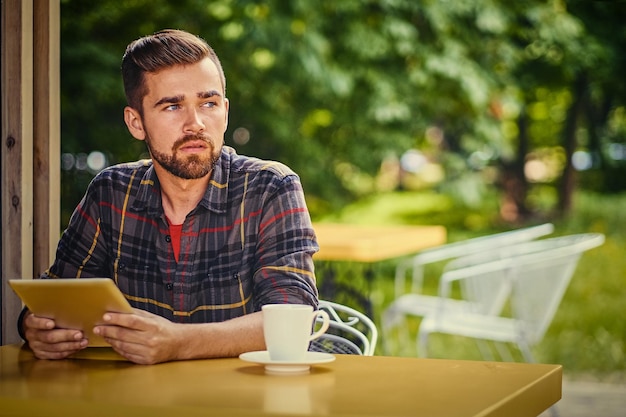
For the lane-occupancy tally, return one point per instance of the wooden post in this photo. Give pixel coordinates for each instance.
(30, 147)
(47, 133)
(16, 149)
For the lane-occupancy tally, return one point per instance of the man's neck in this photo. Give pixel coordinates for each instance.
(180, 196)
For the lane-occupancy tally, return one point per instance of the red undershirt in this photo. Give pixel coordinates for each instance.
(175, 232)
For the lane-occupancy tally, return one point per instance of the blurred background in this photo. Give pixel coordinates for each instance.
(480, 115)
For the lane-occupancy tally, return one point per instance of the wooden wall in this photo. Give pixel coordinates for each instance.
(30, 148)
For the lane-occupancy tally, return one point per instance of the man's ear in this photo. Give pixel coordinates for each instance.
(227, 106)
(134, 123)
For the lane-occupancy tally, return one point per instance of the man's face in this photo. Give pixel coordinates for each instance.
(184, 119)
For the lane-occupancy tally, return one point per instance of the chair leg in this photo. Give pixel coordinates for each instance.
(526, 352)
(390, 319)
(504, 352)
(484, 349)
(422, 343)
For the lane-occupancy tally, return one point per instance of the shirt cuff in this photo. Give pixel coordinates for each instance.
(20, 322)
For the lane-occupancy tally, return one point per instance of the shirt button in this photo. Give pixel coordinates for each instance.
(169, 286)
(168, 238)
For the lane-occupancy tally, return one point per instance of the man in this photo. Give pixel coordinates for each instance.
(198, 238)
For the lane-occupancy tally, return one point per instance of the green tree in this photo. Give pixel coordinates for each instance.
(603, 90)
(333, 87)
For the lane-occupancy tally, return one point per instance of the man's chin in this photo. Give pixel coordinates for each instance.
(193, 168)
(192, 173)
(187, 166)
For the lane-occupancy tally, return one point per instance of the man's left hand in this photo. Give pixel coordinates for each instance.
(141, 337)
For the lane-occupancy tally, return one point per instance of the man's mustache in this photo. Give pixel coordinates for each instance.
(191, 138)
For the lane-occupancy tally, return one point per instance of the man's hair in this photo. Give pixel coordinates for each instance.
(162, 50)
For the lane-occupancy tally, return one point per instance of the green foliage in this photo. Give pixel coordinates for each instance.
(332, 88)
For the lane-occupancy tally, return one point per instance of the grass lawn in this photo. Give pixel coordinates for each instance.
(588, 334)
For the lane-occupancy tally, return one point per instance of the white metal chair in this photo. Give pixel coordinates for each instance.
(350, 331)
(530, 278)
(462, 248)
(415, 303)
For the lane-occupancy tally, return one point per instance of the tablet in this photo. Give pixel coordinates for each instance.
(73, 303)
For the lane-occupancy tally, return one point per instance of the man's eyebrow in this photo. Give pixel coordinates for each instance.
(171, 100)
(181, 97)
(208, 94)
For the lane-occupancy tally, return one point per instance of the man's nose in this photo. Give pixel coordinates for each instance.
(194, 123)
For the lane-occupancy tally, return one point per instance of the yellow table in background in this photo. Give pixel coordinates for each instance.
(360, 243)
(364, 246)
(350, 386)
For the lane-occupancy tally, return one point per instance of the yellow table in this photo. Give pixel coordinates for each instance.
(359, 243)
(365, 245)
(350, 386)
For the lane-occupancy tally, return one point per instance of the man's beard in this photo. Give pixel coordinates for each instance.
(191, 167)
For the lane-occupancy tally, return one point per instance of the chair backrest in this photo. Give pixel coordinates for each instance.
(533, 276)
(350, 331)
(464, 248)
(483, 282)
(540, 279)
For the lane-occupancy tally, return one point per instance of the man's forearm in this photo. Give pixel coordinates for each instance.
(225, 339)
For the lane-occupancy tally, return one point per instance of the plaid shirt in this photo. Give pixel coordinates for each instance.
(249, 241)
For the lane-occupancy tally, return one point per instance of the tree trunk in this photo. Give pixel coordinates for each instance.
(513, 179)
(568, 179)
(597, 117)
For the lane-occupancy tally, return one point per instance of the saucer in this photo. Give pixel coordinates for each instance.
(262, 357)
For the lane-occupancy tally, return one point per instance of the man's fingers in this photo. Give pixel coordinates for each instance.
(54, 336)
(130, 321)
(35, 322)
(117, 333)
(58, 350)
(133, 351)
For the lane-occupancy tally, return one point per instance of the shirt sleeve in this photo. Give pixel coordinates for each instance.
(285, 272)
(81, 251)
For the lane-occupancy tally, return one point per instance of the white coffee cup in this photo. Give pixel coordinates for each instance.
(287, 329)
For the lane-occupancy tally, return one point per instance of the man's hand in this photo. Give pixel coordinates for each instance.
(146, 338)
(47, 342)
(141, 337)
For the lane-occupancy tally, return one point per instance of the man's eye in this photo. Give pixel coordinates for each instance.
(209, 104)
(172, 107)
